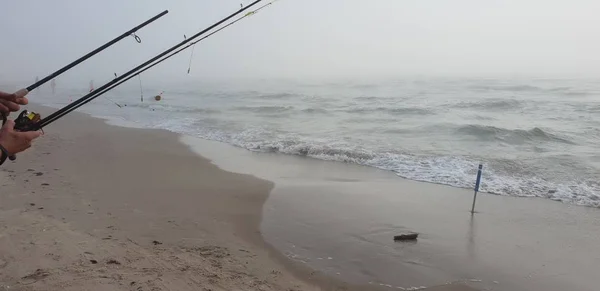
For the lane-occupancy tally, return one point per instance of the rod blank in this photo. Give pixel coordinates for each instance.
(94, 52)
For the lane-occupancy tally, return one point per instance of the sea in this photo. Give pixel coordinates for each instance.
(534, 137)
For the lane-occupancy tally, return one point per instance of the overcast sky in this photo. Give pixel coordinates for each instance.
(308, 38)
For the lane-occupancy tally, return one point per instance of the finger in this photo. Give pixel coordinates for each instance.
(13, 97)
(12, 106)
(9, 125)
(22, 100)
(4, 109)
(5, 95)
(30, 135)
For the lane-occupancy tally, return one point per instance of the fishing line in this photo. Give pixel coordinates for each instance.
(112, 101)
(115, 102)
(141, 89)
(186, 47)
(191, 57)
(193, 44)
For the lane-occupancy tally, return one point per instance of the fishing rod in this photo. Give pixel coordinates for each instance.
(182, 49)
(32, 121)
(24, 91)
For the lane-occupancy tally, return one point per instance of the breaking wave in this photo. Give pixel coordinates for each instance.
(276, 96)
(491, 104)
(315, 110)
(511, 135)
(171, 108)
(265, 109)
(509, 88)
(392, 110)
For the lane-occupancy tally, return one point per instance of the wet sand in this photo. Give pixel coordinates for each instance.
(340, 219)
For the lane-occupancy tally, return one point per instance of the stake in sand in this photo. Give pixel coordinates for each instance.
(477, 182)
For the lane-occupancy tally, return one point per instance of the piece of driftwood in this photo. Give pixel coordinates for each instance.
(406, 236)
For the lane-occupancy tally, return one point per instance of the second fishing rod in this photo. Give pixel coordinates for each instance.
(94, 94)
(179, 51)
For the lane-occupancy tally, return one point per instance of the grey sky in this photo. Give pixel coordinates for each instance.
(308, 38)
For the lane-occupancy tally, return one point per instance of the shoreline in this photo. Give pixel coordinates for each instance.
(289, 211)
(120, 121)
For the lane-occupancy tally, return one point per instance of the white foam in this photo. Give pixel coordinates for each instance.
(447, 170)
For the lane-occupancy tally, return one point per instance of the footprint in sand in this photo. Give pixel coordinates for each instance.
(39, 274)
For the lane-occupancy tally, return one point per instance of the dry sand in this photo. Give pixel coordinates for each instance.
(97, 207)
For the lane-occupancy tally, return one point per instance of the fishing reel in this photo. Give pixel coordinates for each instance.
(26, 121)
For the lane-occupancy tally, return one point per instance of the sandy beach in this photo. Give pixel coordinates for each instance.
(98, 207)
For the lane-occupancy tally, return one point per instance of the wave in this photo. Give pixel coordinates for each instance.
(564, 90)
(171, 108)
(483, 117)
(509, 88)
(369, 119)
(276, 96)
(363, 86)
(377, 98)
(398, 131)
(367, 98)
(559, 89)
(576, 93)
(491, 104)
(265, 109)
(315, 110)
(510, 135)
(392, 110)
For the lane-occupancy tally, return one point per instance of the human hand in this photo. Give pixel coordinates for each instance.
(14, 141)
(10, 102)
